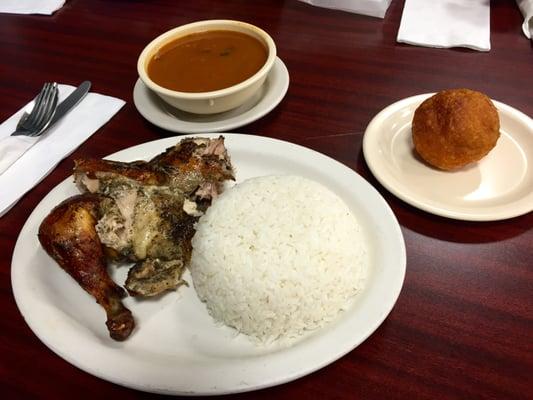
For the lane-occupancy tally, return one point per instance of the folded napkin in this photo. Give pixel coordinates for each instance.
(46, 7)
(446, 23)
(374, 8)
(93, 111)
(526, 6)
(12, 148)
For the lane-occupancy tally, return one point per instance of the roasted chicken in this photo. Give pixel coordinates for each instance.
(68, 234)
(142, 212)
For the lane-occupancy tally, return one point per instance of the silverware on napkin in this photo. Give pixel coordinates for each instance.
(13, 147)
(82, 121)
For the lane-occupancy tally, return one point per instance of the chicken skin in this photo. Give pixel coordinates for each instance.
(151, 207)
(141, 212)
(68, 234)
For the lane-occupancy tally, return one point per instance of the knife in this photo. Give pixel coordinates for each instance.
(73, 99)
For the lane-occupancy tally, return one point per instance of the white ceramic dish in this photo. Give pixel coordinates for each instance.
(151, 107)
(500, 186)
(215, 101)
(177, 348)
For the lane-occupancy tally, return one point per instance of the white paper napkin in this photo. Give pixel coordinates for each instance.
(526, 6)
(374, 8)
(93, 111)
(12, 148)
(46, 7)
(446, 23)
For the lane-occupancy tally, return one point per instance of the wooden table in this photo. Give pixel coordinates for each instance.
(463, 324)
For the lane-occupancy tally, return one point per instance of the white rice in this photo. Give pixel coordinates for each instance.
(277, 256)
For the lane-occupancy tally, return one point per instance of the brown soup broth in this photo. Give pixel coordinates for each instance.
(207, 61)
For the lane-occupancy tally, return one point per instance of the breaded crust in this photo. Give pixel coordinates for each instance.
(455, 127)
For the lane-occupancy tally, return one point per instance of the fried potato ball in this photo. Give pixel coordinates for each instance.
(454, 128)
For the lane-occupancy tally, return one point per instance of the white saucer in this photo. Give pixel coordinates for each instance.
(499, 186)
(163, 115)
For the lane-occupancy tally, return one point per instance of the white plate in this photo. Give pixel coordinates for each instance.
(161, 114)
(177, 348)
(497, 187)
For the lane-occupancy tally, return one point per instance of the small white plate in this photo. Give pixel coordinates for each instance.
(499, 186)
(177, 348)
(155, 110)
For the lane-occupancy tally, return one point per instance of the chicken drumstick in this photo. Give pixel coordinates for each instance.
(68, 235)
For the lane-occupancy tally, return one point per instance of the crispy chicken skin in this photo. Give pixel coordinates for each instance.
(189, 166)
(68, 235)
(151, 207)
(142, 212)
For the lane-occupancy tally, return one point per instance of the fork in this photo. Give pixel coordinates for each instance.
(35, 123)
(29, 127)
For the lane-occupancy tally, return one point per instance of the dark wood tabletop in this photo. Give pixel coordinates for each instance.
(462, 327)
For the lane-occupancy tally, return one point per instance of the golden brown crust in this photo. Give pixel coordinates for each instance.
(455, 127)
(69, 236)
